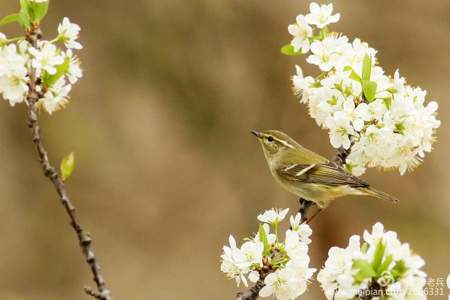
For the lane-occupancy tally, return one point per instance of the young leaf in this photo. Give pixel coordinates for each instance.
(367, 67)
(67, 166)
(399, 269)
(24, 13)
(290, 51)
(263, 238)
(365, 270)
(353, 74)
(378, 255)
(388, 102)
(10, 19)
(369, 89)
(38, 11)
(61, 69)
(385, 265)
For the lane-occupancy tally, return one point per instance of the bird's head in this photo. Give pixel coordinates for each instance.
(274, 142)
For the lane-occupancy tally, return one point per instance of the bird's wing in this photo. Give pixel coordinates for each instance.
(328, 174)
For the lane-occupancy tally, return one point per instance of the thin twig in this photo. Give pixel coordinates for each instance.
(84, 237)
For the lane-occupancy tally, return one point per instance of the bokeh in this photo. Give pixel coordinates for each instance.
(166, 167)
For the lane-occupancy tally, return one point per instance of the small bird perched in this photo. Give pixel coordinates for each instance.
(309, 175)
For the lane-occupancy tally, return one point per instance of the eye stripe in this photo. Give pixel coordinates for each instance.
(285, 143)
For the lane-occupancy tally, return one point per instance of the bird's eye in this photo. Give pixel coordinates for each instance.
(270, 139)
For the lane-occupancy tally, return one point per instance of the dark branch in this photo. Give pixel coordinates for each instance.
(252, 293)
(84, 237)
(342, 155)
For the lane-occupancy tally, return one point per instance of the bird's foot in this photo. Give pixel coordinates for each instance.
(305, 205)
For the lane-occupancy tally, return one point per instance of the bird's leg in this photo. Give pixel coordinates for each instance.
(304, 207)
(314, 215)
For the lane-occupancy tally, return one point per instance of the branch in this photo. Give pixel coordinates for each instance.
(342, 155)
(252, 293)
(84, 237)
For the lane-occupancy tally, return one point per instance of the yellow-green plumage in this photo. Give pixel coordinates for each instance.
(309, 175)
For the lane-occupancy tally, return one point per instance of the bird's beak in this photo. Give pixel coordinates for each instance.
(257, 133)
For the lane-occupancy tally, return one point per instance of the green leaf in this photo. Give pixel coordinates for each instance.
(367, 67)
(365, 270)
(290, 51)
(388, 102)
(369, 89)
(399, 269)
(67, 166)
(38, 11)
(24, 13)
(263, 238)
(385, 265)
(10, 19)
(378, 255)
(61, 69)
(353, 74)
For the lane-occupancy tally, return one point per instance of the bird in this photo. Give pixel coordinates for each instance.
(309, 175)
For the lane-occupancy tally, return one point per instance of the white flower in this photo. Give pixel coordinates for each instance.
(68, 34)
(355, 56)
(287, 262)
(288, 283)
(402, 277)
(74, 72)
(296, 249)
(273, 216)
(301, 32)
(358, 115)
(56, 97)
(394, 130)
(234, 263)
(46, 58)
(336, 278)
(302, 85)
(329, 53)
(340, 130)
(13, 74)
(321, 15)
(303, 230)
(253, 252)
(376, 235)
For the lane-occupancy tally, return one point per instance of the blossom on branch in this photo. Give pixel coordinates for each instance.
(386, 122)
(283, 266)
(53, 68)
(379, 267)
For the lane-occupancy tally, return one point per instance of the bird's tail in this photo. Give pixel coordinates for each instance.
(379, 194)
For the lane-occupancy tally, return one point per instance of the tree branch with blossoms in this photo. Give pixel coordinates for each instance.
(41, 74)
(373, 120)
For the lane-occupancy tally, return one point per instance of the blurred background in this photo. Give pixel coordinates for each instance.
(166, 167)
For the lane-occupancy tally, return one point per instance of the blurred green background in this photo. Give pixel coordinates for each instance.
(166, 166)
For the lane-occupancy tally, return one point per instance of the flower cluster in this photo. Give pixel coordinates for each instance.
(381, 267)
(384, 121)
(53, 69)
(283, 266)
